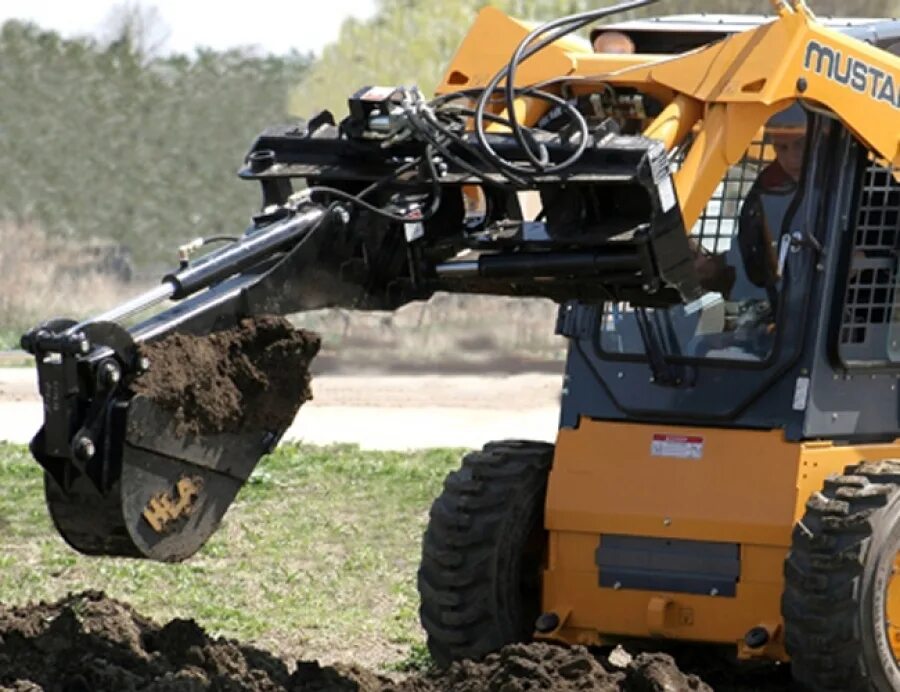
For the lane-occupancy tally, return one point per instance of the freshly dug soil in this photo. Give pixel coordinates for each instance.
(90, 643)
(541, 666)
(253, 376)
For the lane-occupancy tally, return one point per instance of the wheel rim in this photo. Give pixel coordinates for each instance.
(892, 607)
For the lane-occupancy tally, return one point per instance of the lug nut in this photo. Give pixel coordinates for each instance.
(546, 622)
(84, 449)
(342, 213)
(110, 373)
(756, 637)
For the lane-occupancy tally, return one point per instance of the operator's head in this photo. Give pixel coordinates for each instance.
(787, 132)
(613, 42)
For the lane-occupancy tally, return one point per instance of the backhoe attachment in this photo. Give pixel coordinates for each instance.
(390, 212)
(125, 473)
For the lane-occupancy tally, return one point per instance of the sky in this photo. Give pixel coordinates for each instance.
(276, 26)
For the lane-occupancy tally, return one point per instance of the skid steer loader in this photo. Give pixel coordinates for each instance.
(719, 222)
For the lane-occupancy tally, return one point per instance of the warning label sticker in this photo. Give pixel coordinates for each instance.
(677, 446)
(666, 194)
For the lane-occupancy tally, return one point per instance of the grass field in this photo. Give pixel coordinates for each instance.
(316, 559)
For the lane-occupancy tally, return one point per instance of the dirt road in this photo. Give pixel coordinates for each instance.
(375, 411)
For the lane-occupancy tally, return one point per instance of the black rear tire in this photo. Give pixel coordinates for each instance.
(836, 575)
(483, 552)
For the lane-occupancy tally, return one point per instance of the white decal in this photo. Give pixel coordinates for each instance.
(666, 193)
(677, 446)
(414, 231)
(801, 393)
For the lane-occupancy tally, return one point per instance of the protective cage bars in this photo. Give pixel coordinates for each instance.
(870, 319)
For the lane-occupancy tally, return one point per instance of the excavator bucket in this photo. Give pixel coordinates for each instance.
(169, 497)
(179, 441)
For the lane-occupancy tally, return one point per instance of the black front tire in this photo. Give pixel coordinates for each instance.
(483, 552)
(842, 558)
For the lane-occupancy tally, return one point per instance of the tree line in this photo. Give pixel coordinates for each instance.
(102, 141)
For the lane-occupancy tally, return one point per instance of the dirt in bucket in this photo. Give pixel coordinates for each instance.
(252, 376)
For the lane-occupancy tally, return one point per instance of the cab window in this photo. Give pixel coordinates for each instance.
(740, 255)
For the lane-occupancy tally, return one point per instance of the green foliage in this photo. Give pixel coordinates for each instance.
(9, 338)
(104, 143)
(418, 660)
(406, 42)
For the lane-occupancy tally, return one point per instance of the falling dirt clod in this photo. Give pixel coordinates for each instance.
(252, 376)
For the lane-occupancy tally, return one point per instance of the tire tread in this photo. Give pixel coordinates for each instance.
(823, 573)
(467, 527)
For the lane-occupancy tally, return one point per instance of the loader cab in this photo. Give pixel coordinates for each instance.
(741, 247)
(797, 328)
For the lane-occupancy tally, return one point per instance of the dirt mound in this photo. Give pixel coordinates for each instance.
(537, 666)
(90, 643)
(542, 666)
(255, 375)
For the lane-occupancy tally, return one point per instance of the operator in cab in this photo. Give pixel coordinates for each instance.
(768, 201)
(748, 275)
(613, 42)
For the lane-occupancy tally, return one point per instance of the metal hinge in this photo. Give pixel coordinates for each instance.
(575, 320)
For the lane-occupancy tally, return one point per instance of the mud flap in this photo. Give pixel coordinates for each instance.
(169, 490)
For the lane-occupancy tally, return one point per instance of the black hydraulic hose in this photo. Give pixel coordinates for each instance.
(356, 200)
(560, 28)
(451, 136)
(556, 29)
(540, 165)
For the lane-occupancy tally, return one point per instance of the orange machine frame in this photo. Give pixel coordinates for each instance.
(725, 92)
(748, 487)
